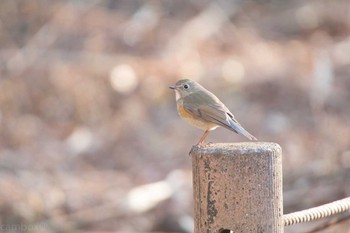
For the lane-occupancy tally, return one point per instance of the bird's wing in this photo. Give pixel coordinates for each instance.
(207, 108)
(211, 109)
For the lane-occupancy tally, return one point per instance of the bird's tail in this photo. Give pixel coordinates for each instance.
(239, 129)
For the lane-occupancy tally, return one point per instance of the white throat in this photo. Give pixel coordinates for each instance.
(177, 95)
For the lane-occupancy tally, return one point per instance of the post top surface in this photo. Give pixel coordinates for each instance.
(237, 148)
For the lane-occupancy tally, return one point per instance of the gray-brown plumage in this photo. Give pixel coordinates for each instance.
(204, 110)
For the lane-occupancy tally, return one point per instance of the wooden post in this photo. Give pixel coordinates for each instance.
(238, 188)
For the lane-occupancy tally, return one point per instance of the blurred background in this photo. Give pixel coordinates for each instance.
(89, 134)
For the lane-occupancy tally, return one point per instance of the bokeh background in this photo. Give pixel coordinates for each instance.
(90, 140)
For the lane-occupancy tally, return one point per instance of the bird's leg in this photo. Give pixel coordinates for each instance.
(203, 138)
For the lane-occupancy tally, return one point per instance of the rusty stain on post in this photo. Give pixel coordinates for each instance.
(238, 187)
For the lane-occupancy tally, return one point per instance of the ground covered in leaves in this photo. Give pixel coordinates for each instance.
(90, 139)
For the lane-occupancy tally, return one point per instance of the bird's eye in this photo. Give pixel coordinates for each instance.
(186, 86)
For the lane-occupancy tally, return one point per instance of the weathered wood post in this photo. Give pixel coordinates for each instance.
(238, 188)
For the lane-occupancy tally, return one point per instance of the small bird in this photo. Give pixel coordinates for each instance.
(202, 109)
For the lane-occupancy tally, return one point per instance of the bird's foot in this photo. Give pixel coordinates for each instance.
(189, 153)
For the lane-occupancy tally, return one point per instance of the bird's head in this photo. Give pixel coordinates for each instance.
(185, 87)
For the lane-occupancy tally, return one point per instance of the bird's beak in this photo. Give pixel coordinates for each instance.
(172, 87)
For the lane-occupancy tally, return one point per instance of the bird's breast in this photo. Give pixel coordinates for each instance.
(194, 120)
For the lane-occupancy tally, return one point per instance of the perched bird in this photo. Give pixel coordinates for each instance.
(202, 109)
